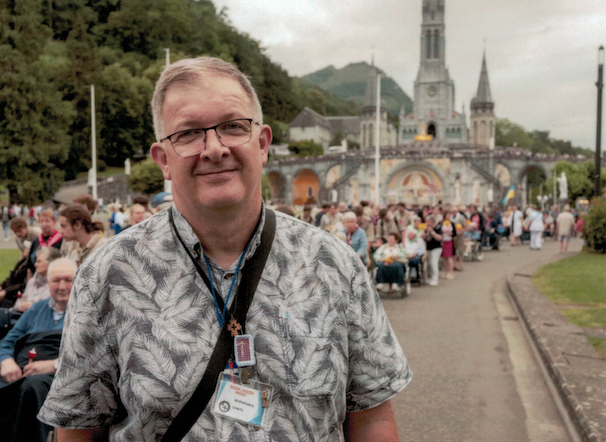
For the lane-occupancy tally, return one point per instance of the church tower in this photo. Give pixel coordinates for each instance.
(369, 115)
(434, 91)
(482, 120)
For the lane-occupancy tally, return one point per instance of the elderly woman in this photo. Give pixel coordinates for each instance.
(37, 287)
(390, 259)
(355, 236)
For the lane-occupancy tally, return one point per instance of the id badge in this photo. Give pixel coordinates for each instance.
(244, 403)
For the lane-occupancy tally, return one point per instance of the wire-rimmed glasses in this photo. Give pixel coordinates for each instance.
(231, 133)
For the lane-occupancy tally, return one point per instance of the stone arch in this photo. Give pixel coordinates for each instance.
(398, 183)
(333, 174)
(432, 129)
(277, 183)
(306, 182)
(528, 190)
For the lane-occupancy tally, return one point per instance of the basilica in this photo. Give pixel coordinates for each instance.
(433, 156)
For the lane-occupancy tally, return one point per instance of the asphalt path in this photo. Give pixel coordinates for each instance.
(474, 375)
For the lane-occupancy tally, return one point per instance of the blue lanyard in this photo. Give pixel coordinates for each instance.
(221, 315)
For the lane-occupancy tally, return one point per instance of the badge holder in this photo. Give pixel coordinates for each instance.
(246, 403)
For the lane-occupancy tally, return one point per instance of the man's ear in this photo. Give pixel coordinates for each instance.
(158, 154)
(265, 137)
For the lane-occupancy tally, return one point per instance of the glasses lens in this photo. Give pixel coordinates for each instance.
(234, 133)
(188, 142)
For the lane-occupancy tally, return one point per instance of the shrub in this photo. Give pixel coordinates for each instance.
(594, 231)
(146, 177)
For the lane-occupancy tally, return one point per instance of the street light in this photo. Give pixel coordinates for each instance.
(598, 143)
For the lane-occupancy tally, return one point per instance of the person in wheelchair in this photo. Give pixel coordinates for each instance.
(416, 253)
(473, 240)
(390, 259)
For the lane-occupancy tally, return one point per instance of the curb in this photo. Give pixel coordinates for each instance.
(574, 407)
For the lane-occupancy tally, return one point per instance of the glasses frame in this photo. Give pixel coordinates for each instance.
(206, 129)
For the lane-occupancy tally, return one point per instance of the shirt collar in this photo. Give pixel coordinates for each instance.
(192, 241)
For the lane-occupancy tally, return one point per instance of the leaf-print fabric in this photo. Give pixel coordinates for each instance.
(141, 326)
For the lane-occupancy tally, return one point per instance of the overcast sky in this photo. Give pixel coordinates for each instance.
(541, 54)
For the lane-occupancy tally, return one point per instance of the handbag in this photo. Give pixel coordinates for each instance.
(224, 348)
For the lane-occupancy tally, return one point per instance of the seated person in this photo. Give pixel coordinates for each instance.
(37, 288)
(24, 235)
(472, 234)
(355, 236)
(390, 259)
(77, 226)
(416, 251)
(27, 374)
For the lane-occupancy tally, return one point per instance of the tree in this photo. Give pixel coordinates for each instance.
(580, 177)
(146, 177)
(511, 134)
(34, 119)
(594, 231)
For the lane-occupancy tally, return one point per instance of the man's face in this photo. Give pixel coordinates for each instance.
(60, 284)
(218, 177)
(66, 229)
(333, 210)
(47, 225)
(137, 214)
(21, 233)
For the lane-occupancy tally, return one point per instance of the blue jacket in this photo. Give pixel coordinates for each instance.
(359, 243)
(38, 318)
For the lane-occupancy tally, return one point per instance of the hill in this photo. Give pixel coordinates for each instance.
(349, 83)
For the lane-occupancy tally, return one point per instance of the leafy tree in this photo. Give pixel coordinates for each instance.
(146, 177)
(34, 119)
(511, 134)
(305, 148)
(580, 177)
(315, 101)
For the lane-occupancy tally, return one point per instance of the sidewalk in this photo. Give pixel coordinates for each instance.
(577, 370)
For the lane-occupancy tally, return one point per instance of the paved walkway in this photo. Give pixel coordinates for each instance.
(475, 378)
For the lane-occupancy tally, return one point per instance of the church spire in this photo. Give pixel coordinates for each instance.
(483, 95)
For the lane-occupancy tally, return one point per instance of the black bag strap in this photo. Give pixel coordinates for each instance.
(251, 274)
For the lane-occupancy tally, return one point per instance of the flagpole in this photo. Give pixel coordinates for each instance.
(93, 141)
(377, 141)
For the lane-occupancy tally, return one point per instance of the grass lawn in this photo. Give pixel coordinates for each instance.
(578, 286)
(8, 259)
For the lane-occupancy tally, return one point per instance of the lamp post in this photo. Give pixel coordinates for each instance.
(93, 175)
(598, 143)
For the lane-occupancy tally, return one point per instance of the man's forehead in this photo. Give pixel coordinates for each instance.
(61, 271)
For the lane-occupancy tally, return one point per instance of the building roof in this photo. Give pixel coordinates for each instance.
(309, 118)
(346, 125)
(483, 95)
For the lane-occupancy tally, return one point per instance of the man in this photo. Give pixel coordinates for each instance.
(433, 238)
(26, 379)
(565, 225)
(330, 218)
(402, 217)
(24, 235)
(76, 225)
(144, 323)
(49, 237)
(137, 215)
(87, 202)
(365, 224)
(306, 215)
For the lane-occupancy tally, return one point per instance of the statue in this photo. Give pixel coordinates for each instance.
(563, 181)
(490, 195)
(127, 166)
(457, 187)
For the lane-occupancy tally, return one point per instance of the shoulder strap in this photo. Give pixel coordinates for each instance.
(251, 274)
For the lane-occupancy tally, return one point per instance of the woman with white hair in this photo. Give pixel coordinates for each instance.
(355, 236)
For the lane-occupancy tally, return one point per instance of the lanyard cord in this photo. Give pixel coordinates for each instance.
(221, 315)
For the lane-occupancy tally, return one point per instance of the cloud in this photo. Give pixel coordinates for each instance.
(541, 54)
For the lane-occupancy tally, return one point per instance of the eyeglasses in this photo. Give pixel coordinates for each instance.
(231, 133)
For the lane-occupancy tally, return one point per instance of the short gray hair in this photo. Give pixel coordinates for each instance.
(189, 70)
(61, 262)
(350, 215)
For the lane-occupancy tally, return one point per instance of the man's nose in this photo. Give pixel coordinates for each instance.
(214, 149)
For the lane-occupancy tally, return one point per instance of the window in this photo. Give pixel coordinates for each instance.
(428, 44)
(436, 44)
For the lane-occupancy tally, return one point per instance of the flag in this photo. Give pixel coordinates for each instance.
(510, 195)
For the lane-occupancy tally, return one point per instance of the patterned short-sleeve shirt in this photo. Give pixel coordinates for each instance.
(141, 327)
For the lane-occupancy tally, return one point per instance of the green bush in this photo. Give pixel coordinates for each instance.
(146, 177)
(594, 231)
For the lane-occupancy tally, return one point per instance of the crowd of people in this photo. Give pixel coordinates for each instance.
(398, 241)
(53, 242)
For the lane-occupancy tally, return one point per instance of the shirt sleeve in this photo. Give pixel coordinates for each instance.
(378, 369)
(7, 344)
(84, 391)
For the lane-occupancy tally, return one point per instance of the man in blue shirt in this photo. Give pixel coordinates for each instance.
(356, 237)
(26, 378)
